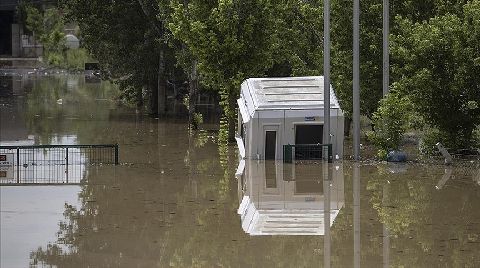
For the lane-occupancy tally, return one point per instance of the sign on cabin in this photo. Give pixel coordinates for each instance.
(6, 166)
(309, 118)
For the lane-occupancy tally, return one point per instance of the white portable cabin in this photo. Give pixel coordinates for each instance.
(279, 111)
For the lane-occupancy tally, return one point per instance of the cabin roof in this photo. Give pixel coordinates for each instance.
(286, 93)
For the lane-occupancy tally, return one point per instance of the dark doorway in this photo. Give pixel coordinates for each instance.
(6, 20)
(270, 145)
(308, 134)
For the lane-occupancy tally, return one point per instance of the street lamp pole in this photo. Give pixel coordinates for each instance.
(326, 70)
(356, 79)
(386, 49)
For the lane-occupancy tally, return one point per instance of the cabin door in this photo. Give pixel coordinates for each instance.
(270, 138)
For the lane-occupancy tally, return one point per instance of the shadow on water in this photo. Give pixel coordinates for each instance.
(175, 201)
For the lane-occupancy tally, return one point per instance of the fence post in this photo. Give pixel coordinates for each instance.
(287, 154)
(18, 165)
(66, 161)
(330, 156)
(116, 154)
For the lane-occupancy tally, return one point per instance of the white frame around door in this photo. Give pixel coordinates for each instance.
(275, 128)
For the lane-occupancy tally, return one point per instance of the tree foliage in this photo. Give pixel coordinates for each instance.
(218, 44)
(235, 40)
(47, 27)
(391, 120)
(370, 54)
(128, 40)
(437, 62)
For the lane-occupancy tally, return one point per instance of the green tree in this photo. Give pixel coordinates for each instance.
(129, 40)
(370, 55)
(437, 64)
(235, 40)
(391, 121)
(47, 27)
(230, 41)
(371, 46)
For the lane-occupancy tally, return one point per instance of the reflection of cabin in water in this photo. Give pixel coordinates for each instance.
(288, 199)
(278, 111)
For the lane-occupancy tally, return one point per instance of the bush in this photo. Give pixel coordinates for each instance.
(476, 137)
(430, 137)
(390, 122)
(54, 59)
(76, 58)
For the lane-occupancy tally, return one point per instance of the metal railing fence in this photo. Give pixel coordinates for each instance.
(52, 164)
(292, 152)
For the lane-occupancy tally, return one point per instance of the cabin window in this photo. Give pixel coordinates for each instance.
(270, 144)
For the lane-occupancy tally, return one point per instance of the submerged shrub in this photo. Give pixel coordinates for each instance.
(390, 123)
(476, 137)
(430, 137)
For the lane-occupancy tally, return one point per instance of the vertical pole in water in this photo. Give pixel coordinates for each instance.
(386, 49)
(326, 70)
(18, 165)
(116, 154)
(356, 216)
(356, 79)
(386, 232)
(326, 215)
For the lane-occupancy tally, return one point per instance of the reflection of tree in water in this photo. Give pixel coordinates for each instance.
(172, 208)
(52, 99)
(228, 158)
(431, 226)
(125, 210)
(408, 200)
(134, 219)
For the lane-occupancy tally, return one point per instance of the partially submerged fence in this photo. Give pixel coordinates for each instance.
(52, 164)
(292, 152)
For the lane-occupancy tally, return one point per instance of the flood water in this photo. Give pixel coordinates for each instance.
(175, 199)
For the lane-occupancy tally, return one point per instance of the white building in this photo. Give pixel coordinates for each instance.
(279, 111)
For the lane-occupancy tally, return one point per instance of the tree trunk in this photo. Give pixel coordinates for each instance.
(139, 98)
(153, 89)
(161, 83)
(192, 96)
(347, 125)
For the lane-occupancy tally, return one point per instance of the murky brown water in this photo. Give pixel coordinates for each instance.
(175, 200)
